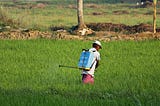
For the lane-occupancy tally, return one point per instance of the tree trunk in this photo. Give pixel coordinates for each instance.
(81, 24)
(154, 16)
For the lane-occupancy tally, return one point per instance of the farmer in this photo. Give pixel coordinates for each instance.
(88, 76)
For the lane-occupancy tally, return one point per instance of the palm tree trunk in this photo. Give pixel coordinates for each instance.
(154, 16)
(81, 24)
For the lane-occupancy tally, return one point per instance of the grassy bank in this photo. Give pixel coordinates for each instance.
(29, 73)
(66, 14)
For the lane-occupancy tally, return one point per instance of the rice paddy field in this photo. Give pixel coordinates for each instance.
(128, 74)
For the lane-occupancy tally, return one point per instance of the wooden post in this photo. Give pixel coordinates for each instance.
(154, 16)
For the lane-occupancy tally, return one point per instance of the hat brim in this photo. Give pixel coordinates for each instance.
(98, 45)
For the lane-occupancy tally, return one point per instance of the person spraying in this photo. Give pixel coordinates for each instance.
(89, 61)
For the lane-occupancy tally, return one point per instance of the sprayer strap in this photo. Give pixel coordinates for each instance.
(93, 63)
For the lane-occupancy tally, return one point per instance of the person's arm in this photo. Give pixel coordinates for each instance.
(97, 59)
(97, 64)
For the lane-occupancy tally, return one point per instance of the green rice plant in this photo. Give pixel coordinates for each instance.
(29, 74)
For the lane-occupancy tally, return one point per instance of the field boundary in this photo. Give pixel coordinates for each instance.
(63, 34)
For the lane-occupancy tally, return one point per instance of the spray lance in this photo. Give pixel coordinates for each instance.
(69, 66)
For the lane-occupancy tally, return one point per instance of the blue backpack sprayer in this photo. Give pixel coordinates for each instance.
(86, 61)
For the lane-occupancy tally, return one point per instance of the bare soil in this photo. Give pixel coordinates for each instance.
(103, 32)
(119, 12)
(121, 28)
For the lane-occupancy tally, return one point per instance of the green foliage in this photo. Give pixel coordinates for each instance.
(29, 73)
(7, 20)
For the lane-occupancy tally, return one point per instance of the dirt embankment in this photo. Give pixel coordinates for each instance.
(63, 34)
(19, 34)
(103, 32)
(121, 28)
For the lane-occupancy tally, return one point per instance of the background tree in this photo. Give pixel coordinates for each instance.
(81, 29)
(81, 24)
(154, 16)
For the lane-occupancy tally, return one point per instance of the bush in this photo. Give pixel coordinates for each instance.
(6, 20)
